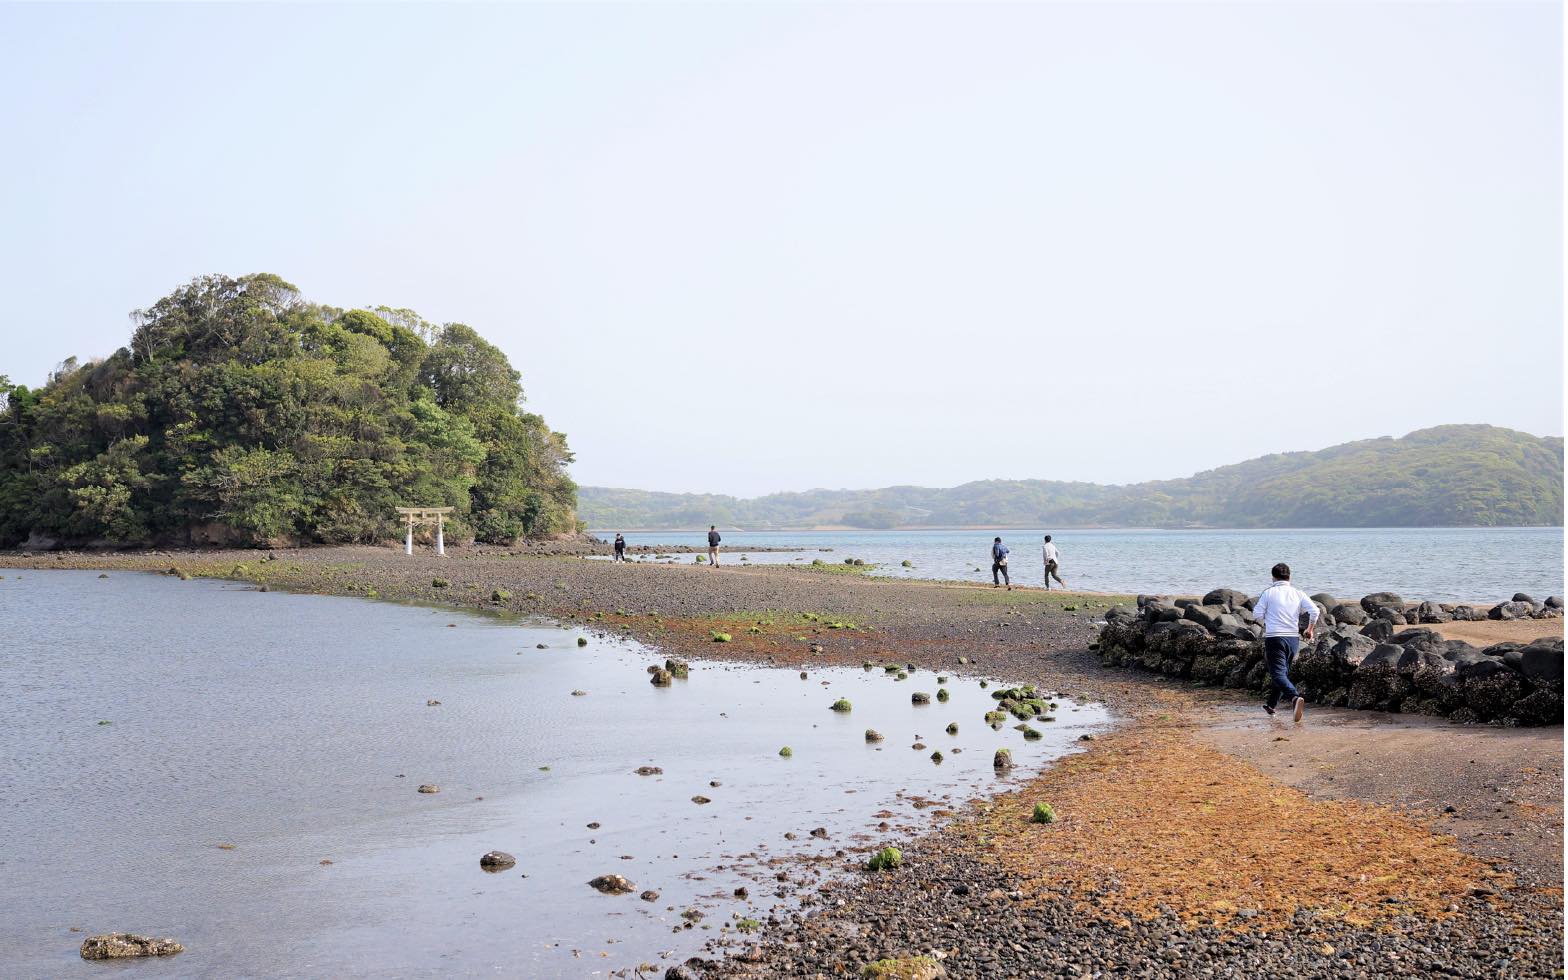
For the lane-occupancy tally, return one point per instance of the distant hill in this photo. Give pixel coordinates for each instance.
(1448, 476)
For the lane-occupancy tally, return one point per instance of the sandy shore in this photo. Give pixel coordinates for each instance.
(1197, 838)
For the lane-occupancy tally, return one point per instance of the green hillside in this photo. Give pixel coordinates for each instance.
(241, 413)
(1448, 476)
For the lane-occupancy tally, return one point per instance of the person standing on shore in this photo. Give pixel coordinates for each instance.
(1049, 554)
(713, 545)
(999, 565)
(620, 547)
(1279, 609)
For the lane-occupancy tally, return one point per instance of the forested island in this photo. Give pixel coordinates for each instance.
(243, 414)
(1447, 476)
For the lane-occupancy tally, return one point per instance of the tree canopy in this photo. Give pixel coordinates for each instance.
(242, 413)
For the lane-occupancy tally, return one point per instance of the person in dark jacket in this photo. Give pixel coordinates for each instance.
(713, 545)
(620, 547)
(999, 565)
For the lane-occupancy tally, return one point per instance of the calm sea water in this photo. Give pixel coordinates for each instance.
(296, 728)
(1425, 563)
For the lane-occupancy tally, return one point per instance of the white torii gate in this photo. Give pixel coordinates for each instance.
(424, 515)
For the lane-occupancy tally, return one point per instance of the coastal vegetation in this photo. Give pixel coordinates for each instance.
(241, 413)
(1448, 476)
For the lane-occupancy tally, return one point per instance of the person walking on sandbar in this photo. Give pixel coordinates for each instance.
(1049, 554)
(713, 545)
(999, 565)
(1279, 609)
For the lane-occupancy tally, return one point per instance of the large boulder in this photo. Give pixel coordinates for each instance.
(1330, 661)
(1378, 630)
(1542, 706)
(1379, 683)
(1464, 614)
(1492, 695)
(1226, 597)
(1325, 600)
(1523, 597)
(1511, 610)
(1162, 611)
(1350, 613)
(1431, 612)
(1206, 615)
(1377, 600)
(1542, 660)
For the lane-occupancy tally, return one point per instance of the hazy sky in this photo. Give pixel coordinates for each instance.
(746, 248)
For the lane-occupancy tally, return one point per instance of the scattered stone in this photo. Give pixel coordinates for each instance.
(123, 945)
(786, 752)
(820, 833)
(612, 885)
(497, 861)
(649, 896)
(429, 788)
(1043, 813)
(888, 857)
(432, 703)
(579, 694)
(872, 735)
(649, 771)
(700, 800)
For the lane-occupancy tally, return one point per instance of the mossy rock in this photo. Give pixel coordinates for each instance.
(936, 757)
(904, 968)
(901, 676)
(887, 858)
(984, 685)
(941, 678)
(719, 637)
(678, 668)
(787, 752)
(1030, 733)
(842, 704)
(952, 728)
(439, 583)
(661, 678)
(920, 697)
(1002, 760)
(872, 735)
(582, 641)
(907, 563)
(942, 695)
(701, 559)
(1043, 813)
(500, 595)
(891, 668)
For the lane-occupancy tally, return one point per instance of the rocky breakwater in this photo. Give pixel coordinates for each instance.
(1373, 654)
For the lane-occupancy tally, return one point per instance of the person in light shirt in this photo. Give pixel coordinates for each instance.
(1049, 553)
(1280, 609)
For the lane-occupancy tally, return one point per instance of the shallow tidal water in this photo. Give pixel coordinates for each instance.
(295, 728)
(1442, 564)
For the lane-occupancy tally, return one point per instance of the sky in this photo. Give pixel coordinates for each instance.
(757, 247)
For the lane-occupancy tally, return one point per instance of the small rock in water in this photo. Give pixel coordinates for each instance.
(820, 832)
(649, 896)
(121, 945)
(714, 782)
(741, 892)
(649, 771)
(497, 861)
(432, 703)
(612, 884)
(540, 646)
(429, 788)
(579, 694)
(700, 800)
(872, 735)
(594, 825)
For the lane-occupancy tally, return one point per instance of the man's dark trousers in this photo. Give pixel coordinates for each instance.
(999, 569)
(1280, 651)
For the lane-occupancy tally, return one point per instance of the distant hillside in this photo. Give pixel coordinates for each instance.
(1448, 476)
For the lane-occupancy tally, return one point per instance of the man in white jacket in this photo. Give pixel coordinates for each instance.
(1280, 609)
(1049, 554)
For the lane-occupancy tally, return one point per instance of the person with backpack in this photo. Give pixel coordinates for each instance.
(999, 565)
(620, 547)
(1280, 609)
(713, 545)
